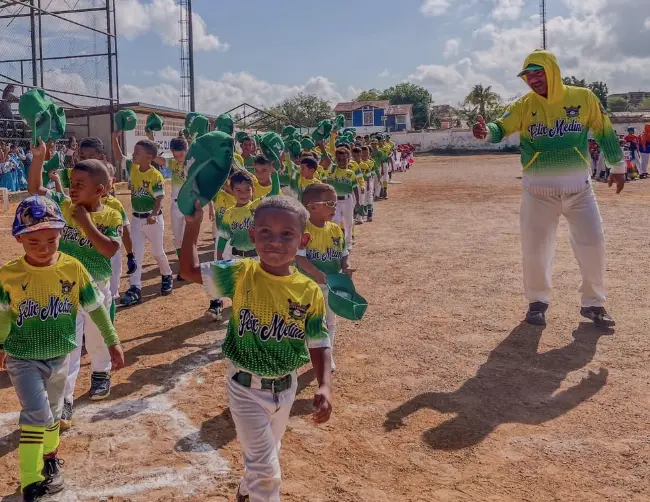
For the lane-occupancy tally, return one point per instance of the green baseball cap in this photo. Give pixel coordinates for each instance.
(125, 120)
(272, 147)
(189, 117)
(57, 127)
(530, 67)
(225, 123)
(154, 122)
(289, 132)
(198, 125)
(343, 298)
(33, 108)
(293, 147)
(339, 122)
(208, 164)
(323, 130)
(54, 164)
(241, 136)
(307, 144)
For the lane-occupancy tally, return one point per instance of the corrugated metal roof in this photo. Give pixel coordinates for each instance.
(399, 110)
(349, 106)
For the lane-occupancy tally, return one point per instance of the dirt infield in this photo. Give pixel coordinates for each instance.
(440, 392)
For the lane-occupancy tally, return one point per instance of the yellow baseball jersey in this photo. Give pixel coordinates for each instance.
(115, 203)
(75, 243)
(354, 165)
(234, 227)
(222, 202)
(344, 181)
(367, 167)
(260, 190)
(178, 175)
(39, 307)
(275, 319)
(145, 187)
(326, 248)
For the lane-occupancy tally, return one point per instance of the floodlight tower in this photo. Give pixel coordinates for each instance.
(542, 21)
(187, 55)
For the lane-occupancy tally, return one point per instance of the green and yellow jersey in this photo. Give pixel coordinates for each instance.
(222, 202)
(275, 319)
(145, 187)
(326, 248)
(344, 181)
(75, 243)
(115, 203)
(178, 176)
(39, 307)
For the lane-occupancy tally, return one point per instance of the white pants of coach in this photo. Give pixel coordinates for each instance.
(645, 160)
(261, 419)
(344, 216)
(100, 358)
(141, 231)
(540, 216)
(178, 225)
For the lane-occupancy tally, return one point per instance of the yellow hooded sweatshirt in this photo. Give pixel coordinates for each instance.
(554, 133)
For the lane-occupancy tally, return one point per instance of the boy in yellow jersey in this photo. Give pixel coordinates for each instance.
(345, 182)
(378, 158)
(262, 184)
(147, 194)
(248, 154)
(359, 166)
(387, 163)
(92, 235)
(326, 252)
(42, 294)
(305, 177)
(239, 218)
(176, 165)
(371, 175)
(277, 326)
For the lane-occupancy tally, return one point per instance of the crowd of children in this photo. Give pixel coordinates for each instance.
(282, 225)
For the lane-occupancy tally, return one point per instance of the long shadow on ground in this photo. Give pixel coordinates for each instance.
(220, 430)
(515, 385)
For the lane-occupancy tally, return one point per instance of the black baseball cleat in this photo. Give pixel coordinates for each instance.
(167, 285)
(52, 472)
(598, 315)
(100, 386)
(131, 297)
(536, 314)
(37, 491)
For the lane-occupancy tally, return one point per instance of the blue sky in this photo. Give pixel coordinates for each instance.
(264, 51)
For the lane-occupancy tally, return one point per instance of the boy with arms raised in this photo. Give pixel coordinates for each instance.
(326, 252)
(147, 194)
(42, 294)
(91, 235)
(277, 326)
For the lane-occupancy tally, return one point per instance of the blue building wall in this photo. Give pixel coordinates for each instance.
(357, 118)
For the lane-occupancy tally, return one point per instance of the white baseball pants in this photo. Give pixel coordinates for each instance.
(261, 419)
(645, 160)
(377, 184)
(369, 196)
(344, 216)
(140, 232)
(540, 216)
(178, 225)
(116, 265)
(100, 358)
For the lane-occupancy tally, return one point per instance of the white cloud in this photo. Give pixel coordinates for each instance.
(233, 89)
(646, 24)
(169, 74)
(384, 73)
(507, 10)
(434, 7)
(135, 18)
(451, 47)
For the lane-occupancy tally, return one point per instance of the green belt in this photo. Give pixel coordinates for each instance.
(276, 385)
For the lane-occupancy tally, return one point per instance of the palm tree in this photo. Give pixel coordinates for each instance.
(483, 98)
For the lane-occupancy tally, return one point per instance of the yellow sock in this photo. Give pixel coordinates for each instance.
(51, 439)
(30, 452)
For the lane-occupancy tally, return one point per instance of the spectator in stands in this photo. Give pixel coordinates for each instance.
(8, 97)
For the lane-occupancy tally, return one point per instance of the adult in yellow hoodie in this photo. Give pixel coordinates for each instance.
(553, 121)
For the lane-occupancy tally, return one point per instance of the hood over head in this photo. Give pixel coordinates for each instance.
(546, 60)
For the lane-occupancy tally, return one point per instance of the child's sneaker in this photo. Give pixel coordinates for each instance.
(215, 310)
(52, 473)
(131, 297)
(66, 416)
(100, 386)
(167, 285)
(37, 491)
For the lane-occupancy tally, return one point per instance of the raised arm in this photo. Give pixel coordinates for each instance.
(117, 150)
(35, 176)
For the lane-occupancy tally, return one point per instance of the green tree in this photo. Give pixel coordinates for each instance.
(600, 90)
(618, 104)
(407, 93)
(574, 81)
(484, 99)
(369, 95)
(644, 104)
(304, 110)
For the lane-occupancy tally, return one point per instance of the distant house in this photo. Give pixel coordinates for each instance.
(375, 116)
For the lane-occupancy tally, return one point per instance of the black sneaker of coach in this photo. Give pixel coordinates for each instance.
(536, 314)
(598, 315)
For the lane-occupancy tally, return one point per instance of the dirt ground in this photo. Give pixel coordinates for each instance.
(441, 393)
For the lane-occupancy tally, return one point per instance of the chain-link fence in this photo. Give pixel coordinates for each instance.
(66, 47)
